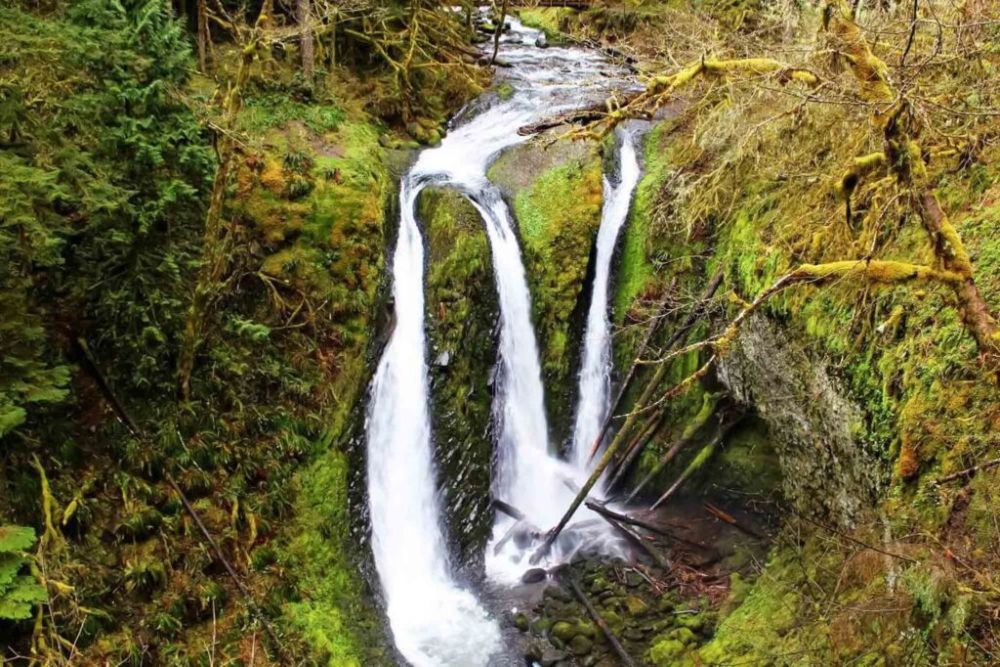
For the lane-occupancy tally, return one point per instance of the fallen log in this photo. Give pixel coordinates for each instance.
(119, 408)
(587, 115)
(706, 453)
(657, 557)
(702, 418)
(601, 623)
(634, 449)
(508, 509)
(639, 523)
(968, 472)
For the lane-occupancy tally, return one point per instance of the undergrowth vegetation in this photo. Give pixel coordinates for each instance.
(744, 181)
(107, 155)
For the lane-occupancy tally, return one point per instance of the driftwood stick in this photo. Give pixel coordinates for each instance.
(708, 411)
(508, 509)
(244, 591)
(679, 335)
(675, 447)
(105, 387)
(639, 542)
(706, 453)
(968, 472)
(731, 520)
(587, 115)
(601, 623)
(635, 449)
(639, 523)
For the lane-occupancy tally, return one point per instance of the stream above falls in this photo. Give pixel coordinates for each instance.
(436, 620)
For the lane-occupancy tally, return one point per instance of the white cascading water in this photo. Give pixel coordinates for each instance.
(434, 620)
(595, 367)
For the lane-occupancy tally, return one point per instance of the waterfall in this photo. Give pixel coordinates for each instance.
(434, 621)
(595, 368)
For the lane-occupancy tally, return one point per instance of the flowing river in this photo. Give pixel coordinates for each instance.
(436, 621)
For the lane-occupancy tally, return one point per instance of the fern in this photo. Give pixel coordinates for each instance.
(18, 592)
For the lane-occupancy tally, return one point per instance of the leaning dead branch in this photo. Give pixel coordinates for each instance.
(968, 472)
(696, 464)
(679, 334)
(553, 534)
(877, 272)
(707, 413)
(601, 623)
(608, 513)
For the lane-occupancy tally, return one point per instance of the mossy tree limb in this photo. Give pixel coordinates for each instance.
(902, 157)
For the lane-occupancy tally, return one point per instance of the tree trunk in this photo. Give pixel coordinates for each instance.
(498, 31)
(949, 251)
(202, 41)
(304, 14)
(213, 239)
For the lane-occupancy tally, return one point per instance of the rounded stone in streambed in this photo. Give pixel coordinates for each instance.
(563, 631)
(534, 575)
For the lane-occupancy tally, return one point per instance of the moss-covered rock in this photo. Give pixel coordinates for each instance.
(463, 310)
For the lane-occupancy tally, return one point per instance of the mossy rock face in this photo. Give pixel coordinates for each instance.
(313, 196)
(826, 470)
(463, 311)
(556, 192)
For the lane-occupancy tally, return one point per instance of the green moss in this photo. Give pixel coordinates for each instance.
(266, 111)
(556, 190)
(558, 215)
(332, 616)
(553, 21)
(748, 461)
(759, 627)
(635, 267)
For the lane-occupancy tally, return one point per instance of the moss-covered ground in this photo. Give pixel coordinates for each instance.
(258, 451)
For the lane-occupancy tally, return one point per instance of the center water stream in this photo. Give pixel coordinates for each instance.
(435, 620)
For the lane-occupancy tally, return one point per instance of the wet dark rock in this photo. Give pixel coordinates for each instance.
(634, 580)
(695, 622)
(533, 576)
(541, 625)
(586, 629)
(636, 605)
(558, 593)
(542, 42)
(634, 634)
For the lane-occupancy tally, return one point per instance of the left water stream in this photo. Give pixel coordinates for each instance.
(435, 620)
